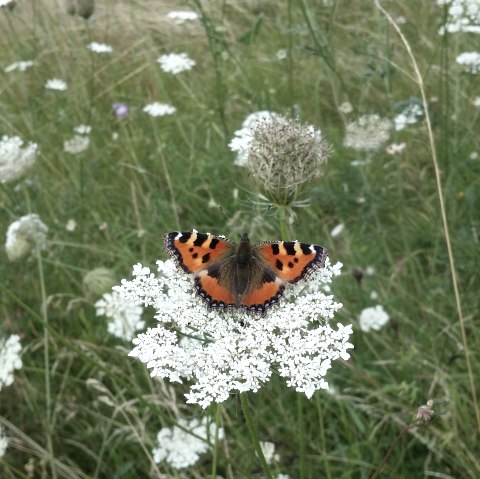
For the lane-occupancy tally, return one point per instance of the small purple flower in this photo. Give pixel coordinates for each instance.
(120, 109)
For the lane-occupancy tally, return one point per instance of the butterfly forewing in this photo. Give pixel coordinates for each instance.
(292, 260)
(194, 251)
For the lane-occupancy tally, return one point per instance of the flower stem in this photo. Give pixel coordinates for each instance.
(218, 409)
(254, 435)
(46, 359)
(301, 439)
(283, 223)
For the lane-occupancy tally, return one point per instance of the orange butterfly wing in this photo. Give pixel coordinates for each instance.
(194, 251)
(291, 260)
(268, 294)
(212, 292)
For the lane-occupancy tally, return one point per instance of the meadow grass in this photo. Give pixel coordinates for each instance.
(80, 407)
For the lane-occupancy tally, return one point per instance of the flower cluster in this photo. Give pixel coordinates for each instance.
(463, 16)
(21, 66)
(79, 142)
(10, 359)
(15, 159)
(241, 141)
(56, 84)
(367, 133)
(408, 116)
(175, 63)
(373, 318)
(470, 61)
(182, 16)
(221, 353)
(182, 446)
(25, 234)
(159, 109)
(125, 316)
(100, 47)
(3, 442)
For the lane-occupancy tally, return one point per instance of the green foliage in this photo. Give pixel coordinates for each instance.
(142, 176)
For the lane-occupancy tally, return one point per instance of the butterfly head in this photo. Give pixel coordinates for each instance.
(245, 238)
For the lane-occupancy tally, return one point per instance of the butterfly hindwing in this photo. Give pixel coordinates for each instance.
(212, 292)
(268, 294)
(194, 251)
(291, 260)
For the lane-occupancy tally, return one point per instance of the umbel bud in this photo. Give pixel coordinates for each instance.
(98, 281)
(83, 8)
(285, 158)
(24, 235)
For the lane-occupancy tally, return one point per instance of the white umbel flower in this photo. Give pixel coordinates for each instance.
(369, 132)
(175, 63)
(125, 316)
(15, 159)
(21, 66)
(182, 16)
(56, 84)
(24, 235)
(244, 136)
(3, 442)
(471, 62)
(373, 318)
(77, 144)
(100, 47)
(233, 351)
(180, 449)
(10, 359)
(159, 109)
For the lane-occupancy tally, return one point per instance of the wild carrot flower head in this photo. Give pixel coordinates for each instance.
(284, 158)
(373, 318)
(463, 16)
(24, 235)
(15, 159)
(369, 132)
(10, 359)
(175, 63)
(182, 446)
(221, 353)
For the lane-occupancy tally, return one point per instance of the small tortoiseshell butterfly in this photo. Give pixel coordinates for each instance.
(251, 277)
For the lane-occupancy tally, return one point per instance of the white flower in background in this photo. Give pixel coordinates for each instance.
(3, 442)
(463, 16)
(373, 295)
(283, 476)
(182, 16)
(396, 148)
(337, 230)
(370, 271)
(4, 3)
(10, 359)
(125, 316)
(71, 225)
(369, 132)
(175, 63)
(243, 137)
(476, 102)
(373, 318)
(24, 235)
(471, 62)
(20, 66)
(76, 145)
(233, 351)
(281, 54)
(159, 109)
(100, 47)
(180, 449)
(346, 108)
(15, 159)
(408, 116)
(56, 84)
(83, 129)
(268, 449)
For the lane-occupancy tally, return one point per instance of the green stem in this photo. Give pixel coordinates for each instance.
(46, 359)
(218, 409)
(283, 223)
(321, 426)
(301, 426)
(254, 435)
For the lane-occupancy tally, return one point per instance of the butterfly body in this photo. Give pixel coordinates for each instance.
(246, 276)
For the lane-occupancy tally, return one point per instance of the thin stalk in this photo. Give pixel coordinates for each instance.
(323, 442)
(218, 409)
(46, 360)
(453, 270)
(301, 439)
(254, 435)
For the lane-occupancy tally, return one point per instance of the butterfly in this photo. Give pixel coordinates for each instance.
(244, 275)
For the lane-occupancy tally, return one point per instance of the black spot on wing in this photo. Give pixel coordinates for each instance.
(289, 247)
(306, 248)
(290, 264)
(200, 239)
(195, 255)
(184, 237)
(213, 243)
(206, 258)
(279, 265)
(275, 249)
